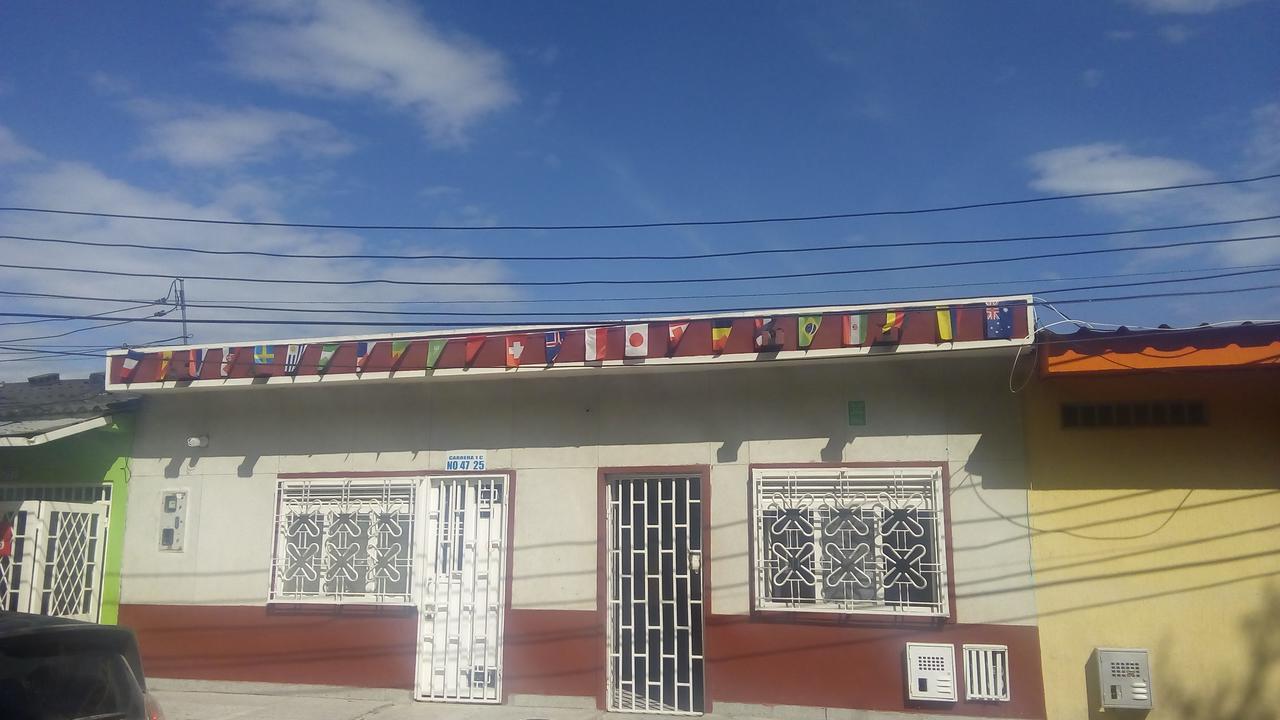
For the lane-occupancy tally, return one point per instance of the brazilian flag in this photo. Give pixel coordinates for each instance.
(808, 327)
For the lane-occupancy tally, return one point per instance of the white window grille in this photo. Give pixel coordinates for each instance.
(986, 672)
(344, 541)
(850, 540)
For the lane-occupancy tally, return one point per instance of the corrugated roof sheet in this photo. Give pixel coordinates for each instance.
(48, 402)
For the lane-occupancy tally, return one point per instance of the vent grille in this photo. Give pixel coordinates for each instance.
(1126, 670)
(1177, 413)
(986, 672)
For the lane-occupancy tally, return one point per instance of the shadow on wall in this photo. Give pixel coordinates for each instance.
(916, 398)
(1252, 691)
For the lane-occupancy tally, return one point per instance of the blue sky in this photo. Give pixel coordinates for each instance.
(513, 113)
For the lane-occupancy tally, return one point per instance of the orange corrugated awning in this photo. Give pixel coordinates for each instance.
(1090, 351)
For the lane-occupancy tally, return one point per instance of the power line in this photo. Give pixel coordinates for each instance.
(101, 326)
(568, 258)
(105, 312)
(593, 322)
(671, 223)
(652, 311)
(631, 298)
(659, 281)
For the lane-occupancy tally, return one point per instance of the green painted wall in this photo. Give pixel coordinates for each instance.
(95, 457)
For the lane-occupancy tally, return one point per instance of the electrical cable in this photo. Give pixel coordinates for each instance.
(532, 326)
(670, 223)
(649, 311)
(153, 317)
(568, 258)
(660, 281)
(707, 296)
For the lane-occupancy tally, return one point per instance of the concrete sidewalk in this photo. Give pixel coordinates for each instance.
(203, 700)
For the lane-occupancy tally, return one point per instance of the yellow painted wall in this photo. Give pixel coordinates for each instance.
(1167, 539)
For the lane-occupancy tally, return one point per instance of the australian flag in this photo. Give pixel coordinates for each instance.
(999, 321)
(554, 341)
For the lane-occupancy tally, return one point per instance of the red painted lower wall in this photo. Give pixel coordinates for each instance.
(766, 661)
(322, 645)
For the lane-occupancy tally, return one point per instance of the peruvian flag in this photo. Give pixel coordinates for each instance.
(516, 345)
(675, 333)
(638, 341)
(597, 343)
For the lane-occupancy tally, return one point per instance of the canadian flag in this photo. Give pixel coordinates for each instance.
(516, 345)
(638, 341)
(597, 343)
(675, 333)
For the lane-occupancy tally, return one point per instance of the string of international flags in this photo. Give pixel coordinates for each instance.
(627, 341)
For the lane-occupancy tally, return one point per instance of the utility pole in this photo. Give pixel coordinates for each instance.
(182, 305)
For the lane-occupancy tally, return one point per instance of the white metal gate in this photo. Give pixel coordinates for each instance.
(463, 571)
(51, 556)
(655, 595)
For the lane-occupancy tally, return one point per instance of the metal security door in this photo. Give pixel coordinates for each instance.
(68, 554)
(463, 563)
(18, 522)
(51, 558)
(655, 595)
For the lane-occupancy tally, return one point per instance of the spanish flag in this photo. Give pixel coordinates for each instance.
(946, 323)
(893, 321)
(720, 329)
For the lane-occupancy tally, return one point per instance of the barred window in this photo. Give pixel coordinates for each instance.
(344, 541)
(850, 540)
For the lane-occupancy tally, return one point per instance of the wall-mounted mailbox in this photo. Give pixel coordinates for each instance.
(1124, 678)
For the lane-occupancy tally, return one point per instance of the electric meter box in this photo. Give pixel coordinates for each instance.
(1124, 678)
(931, 672)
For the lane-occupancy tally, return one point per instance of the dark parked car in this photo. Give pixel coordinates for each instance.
(58, 669)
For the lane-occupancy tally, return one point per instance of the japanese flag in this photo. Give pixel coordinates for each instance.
(597, 343)
(637, 341)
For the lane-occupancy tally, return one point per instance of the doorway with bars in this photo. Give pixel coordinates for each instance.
(655, 593)
(51, 556)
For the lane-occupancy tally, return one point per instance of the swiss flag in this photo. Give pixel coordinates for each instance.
(637, 341)
(516, 345)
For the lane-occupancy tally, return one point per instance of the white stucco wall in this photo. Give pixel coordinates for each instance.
(555, 432)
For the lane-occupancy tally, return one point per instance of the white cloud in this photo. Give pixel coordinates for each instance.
(385, 50)
(204, 136)
(12, 151)
(1109, 167)
(1102, 167)
(1187, 7)
(49, 184)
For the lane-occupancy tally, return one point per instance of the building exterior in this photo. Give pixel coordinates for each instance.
(64, 472)
(1155, 473)
(666, 516)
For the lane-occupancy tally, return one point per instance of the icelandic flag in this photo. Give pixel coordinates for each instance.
(554, 341)
(130, 365)
(999, 321)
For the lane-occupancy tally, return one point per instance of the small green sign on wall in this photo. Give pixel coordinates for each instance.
(857, 412)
